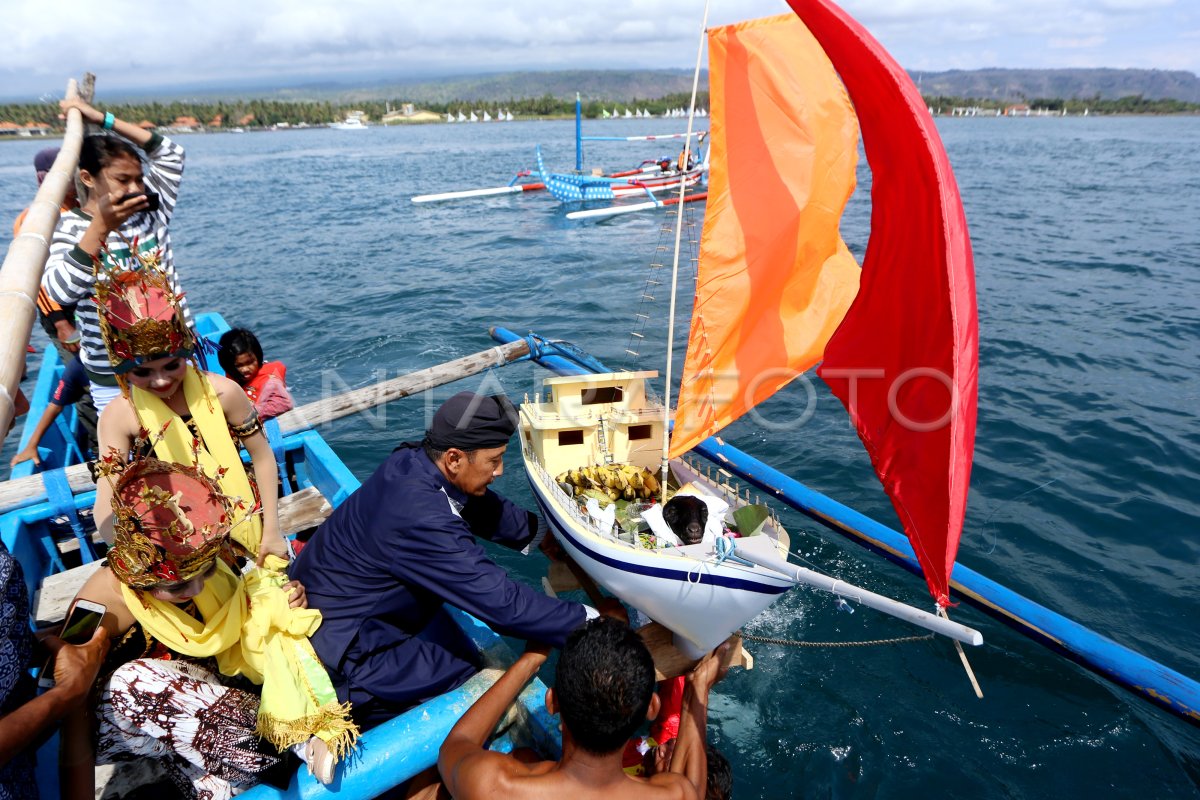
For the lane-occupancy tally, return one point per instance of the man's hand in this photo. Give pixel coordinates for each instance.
(297, 597)
(612, 607)
(76, 666)
(113, 209)
(273, 543)
(538, 651)
(711, 669)
(89, 114)
(68, 335)
(550, 547)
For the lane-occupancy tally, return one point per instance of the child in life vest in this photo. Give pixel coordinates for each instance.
(241, 357)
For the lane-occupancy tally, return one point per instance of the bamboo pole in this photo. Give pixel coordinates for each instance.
(21, 273)
(24, 491)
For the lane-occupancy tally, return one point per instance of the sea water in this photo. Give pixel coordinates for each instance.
(1086, 234)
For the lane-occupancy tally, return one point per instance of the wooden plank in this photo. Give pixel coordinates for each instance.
(564, 574)
(560, 577)
(23, 491)
(297, 512)
(670, 662)
(302, 510)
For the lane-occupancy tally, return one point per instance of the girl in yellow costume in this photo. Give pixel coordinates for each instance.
(191, 635)
(192, 416)
(186, 417)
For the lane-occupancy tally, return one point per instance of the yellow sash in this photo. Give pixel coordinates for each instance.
(216, 448)
(248, 627)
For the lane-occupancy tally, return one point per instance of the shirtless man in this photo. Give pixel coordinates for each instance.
(604, 689)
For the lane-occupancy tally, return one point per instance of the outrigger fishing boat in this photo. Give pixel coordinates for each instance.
(651, 172)
(570, 187)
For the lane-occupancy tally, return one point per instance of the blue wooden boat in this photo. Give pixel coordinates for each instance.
(53, 536)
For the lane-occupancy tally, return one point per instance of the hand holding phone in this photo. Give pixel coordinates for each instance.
(151, 199)
(81, 625)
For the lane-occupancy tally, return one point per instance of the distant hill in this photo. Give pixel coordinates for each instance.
(625, 86)
(599, 85)
(1065, 84)
(611, 85)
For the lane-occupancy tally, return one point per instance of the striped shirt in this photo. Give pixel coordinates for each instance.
(71, 274)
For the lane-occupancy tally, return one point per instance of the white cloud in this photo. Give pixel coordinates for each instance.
(205, 41)
(1076, 43)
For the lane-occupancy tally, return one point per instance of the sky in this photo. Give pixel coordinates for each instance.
(140, 46)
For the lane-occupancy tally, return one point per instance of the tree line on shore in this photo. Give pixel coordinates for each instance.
(266, 113)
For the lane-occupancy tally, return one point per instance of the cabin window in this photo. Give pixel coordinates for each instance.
(570, 437)
(600, 394)
(639, 432)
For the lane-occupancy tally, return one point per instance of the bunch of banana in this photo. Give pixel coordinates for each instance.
(617, 481)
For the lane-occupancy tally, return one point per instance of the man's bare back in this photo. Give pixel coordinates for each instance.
(593, 735)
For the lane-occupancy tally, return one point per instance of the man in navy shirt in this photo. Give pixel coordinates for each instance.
(384, 563)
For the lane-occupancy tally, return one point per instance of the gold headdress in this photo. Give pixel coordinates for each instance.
(141, 318)
(170, 521)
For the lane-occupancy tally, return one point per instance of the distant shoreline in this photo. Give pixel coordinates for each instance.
(56, 135)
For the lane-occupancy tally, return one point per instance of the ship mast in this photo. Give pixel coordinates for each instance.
(687, 153)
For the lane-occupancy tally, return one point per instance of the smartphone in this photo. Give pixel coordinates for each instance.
(151, 199)
(81, 623)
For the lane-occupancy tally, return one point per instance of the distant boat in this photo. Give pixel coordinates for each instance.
(449, 117)
(486, 117)
(473, 118)
(607, 115)
(350, 124)
(237, 130)
(615, 112)
(508, 117)
(628, 115)
(461, 118)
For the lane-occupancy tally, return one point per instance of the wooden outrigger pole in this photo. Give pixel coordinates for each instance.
(21, 273)
(26, 491)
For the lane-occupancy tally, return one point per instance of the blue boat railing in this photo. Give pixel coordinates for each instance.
(408, 744)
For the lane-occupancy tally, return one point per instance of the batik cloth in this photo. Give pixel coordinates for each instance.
(247, 626)
(201, 730)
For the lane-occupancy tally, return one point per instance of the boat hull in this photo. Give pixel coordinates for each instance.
(702, 602)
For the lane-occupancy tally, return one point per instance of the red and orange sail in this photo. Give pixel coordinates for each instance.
(775, 280)
(914, 321)
(775, 276)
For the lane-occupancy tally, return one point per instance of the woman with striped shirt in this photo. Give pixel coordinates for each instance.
(124, 208)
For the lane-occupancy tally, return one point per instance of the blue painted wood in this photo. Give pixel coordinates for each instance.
(408, 744)
(1161, 685)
